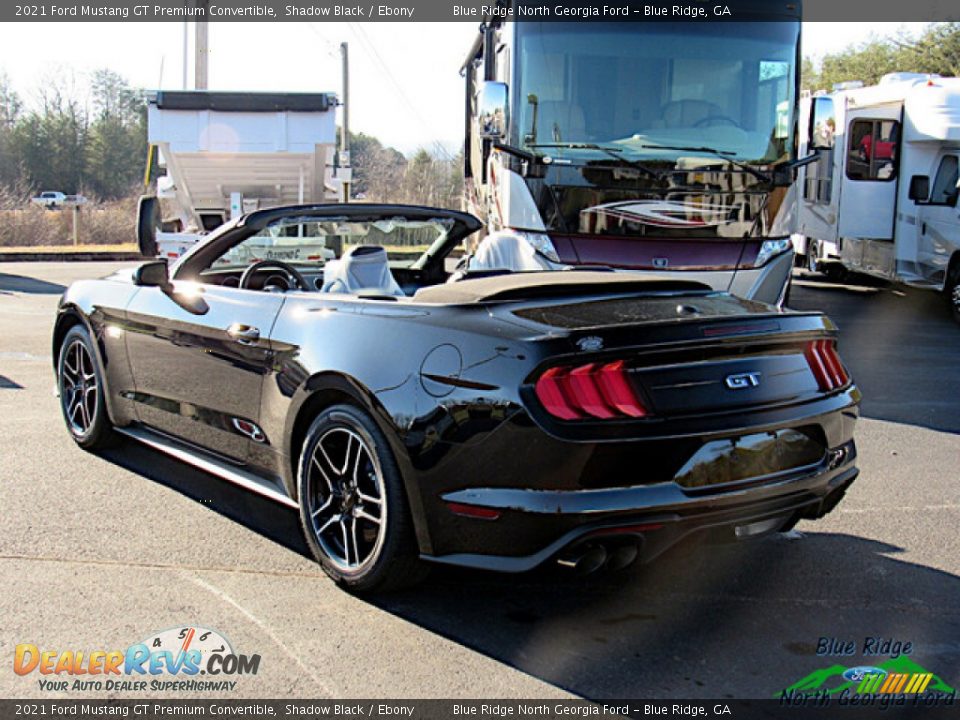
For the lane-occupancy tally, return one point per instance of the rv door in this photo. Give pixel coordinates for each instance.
(869, 189)
(939, 220)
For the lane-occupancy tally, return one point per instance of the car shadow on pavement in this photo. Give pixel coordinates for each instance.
(900, 344)
(266, 517)
(33, 286)
(709, 621)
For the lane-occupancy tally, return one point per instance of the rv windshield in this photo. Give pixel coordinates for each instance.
(640, 86)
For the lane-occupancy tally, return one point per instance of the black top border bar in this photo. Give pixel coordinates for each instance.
(858, 11)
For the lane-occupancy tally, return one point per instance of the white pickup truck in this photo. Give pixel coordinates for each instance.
(49, 199)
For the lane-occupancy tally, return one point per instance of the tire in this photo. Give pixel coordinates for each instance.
(82, 392)
(356, 520)
(952, 289)
(813, 256)
(835, 272)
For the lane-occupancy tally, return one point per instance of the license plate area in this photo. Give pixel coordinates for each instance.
(751, 458)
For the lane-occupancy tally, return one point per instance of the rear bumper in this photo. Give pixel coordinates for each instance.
(656, 516)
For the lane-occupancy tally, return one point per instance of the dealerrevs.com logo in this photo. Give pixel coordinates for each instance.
(183, 659)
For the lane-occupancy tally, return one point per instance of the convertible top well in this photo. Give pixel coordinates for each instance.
(528, 285)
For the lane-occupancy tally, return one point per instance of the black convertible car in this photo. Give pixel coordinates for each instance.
(489, 419)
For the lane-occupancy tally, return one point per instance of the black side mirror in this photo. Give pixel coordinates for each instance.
(152, 274)
(919, 188)
(148, 218)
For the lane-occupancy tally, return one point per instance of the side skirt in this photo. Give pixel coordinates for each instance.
(202, 461)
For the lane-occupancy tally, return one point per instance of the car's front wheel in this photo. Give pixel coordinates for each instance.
(353, 506)
(82, 392)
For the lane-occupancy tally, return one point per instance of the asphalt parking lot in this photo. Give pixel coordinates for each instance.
(100, 551)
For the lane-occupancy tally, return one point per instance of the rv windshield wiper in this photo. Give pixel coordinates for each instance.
(613, 152)
(518, 152)
(722, 154)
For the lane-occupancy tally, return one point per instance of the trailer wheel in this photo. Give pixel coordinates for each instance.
(952, 289)
(813, 256)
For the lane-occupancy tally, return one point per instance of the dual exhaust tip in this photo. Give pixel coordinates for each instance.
(591, 557)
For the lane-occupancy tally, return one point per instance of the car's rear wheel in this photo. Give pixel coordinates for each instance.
(352, 504)
(82, 393)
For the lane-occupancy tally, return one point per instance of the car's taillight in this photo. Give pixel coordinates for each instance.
(595, 390)
(825, 363)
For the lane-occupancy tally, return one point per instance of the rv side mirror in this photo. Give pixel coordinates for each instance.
(492, 110)
(152, 274)
(823, 124)
(919, 188)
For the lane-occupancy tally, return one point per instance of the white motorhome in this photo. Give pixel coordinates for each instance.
(882, 198)
(660, 147)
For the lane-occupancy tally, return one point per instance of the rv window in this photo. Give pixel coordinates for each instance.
(872, 150)
(945, 188)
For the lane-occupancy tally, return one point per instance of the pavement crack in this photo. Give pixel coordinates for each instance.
(224, 597)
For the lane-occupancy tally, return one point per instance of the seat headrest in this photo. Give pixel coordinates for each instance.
(362, 269)
(361, 250)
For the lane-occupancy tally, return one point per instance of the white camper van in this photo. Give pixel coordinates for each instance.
(882, 198)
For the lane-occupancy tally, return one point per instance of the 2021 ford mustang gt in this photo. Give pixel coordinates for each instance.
(486, 419)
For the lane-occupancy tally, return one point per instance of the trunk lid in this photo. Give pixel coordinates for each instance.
(684, 355)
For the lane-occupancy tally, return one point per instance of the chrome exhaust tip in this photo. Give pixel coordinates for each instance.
(584, 560)
(622, 556)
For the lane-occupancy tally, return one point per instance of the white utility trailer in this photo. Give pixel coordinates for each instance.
(228, 153)
(882, 199)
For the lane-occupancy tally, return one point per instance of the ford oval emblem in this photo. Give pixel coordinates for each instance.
(590, 343)
(856, 674)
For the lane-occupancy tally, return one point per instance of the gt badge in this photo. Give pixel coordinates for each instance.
(742, 380)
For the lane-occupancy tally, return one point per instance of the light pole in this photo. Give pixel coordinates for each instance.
(345, 127)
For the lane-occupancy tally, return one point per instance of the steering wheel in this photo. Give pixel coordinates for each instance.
(716, 120)
(256, 267)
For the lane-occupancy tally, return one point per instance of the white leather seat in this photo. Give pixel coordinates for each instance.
(505, 250)
(362, 269)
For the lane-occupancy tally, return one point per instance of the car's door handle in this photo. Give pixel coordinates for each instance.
(244, 334)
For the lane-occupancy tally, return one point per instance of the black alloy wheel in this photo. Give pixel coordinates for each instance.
(353, 506)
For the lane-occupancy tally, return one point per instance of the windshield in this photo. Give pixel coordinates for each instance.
(305, 240)
(636, 86)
